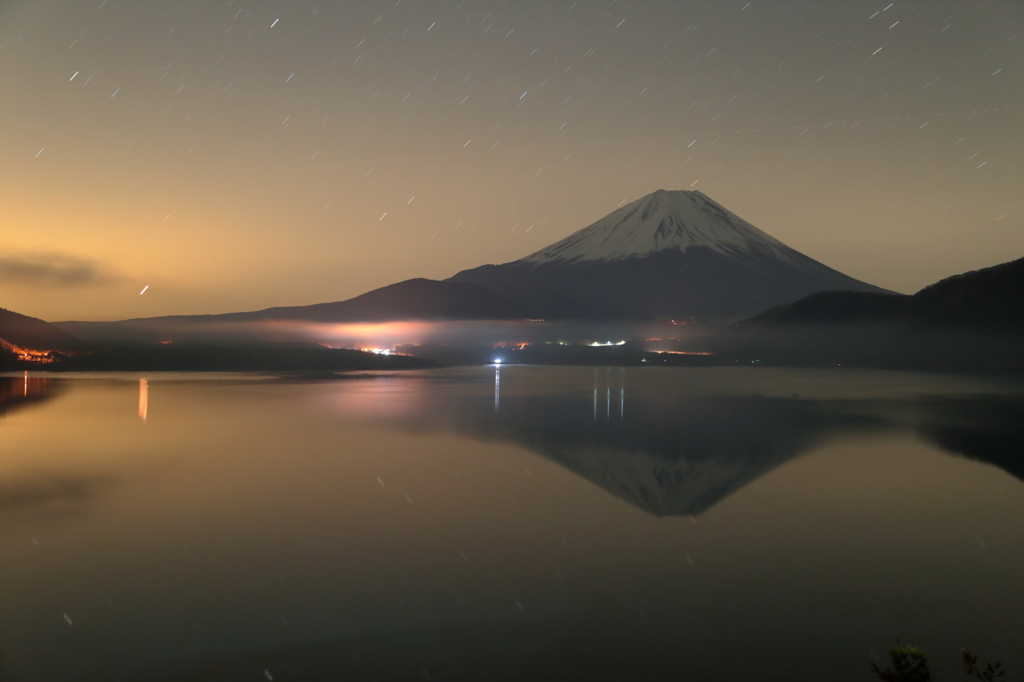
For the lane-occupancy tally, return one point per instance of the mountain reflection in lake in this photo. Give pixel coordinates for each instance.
(513, 523)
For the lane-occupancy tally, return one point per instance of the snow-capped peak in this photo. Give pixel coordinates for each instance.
(659, 221)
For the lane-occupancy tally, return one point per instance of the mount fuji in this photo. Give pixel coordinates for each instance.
(668, 254)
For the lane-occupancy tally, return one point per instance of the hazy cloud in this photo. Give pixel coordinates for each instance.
(52, 270)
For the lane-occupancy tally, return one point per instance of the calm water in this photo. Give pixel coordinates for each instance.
(534, 524)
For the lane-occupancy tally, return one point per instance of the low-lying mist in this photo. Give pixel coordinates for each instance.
(650, 335)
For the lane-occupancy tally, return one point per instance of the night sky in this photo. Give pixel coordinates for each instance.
(240, 155)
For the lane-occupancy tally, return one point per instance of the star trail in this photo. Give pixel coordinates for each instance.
(238, 155)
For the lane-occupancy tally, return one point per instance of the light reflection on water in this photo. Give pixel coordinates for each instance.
(143, 399)
(724, 524)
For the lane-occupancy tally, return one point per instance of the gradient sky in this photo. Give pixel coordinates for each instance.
(239, 155)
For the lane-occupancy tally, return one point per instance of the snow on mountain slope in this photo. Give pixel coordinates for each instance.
(669, 254)
(660, 221)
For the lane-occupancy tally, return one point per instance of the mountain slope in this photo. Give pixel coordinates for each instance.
(969, 321)
(34, 334)
(990, 298)
(668, 254)
(663, 221)
(413, 299)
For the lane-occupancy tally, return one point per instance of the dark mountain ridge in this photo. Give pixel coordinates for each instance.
(416, 299)
(990, 298)
(31, 333)
(970, 321)
(412, 299)
(20, 334)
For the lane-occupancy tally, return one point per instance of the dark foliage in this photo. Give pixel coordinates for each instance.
(909, 664)
(989, 673)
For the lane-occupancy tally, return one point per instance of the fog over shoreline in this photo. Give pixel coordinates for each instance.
(389, 335)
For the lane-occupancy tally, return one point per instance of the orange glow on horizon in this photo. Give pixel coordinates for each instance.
(680, 352)
(43, 357)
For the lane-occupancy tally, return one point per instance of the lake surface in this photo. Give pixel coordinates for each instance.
(521, 523)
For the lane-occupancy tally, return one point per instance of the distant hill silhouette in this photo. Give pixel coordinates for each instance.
(22, 336)
(35, 334)
(969, 321)
(413, 299)
(992, 299)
